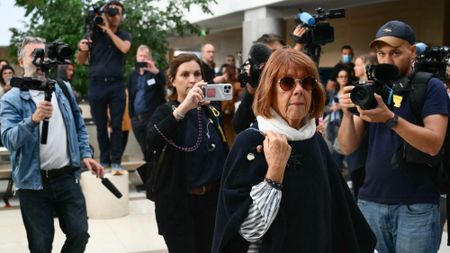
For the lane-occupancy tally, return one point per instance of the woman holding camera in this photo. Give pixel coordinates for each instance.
(280, 189)
(187, 132)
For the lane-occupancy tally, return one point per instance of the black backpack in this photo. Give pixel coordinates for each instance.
(442, 160)
(442, 177)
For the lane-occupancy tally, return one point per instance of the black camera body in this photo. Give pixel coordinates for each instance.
(257, 57)
(58, 52)
(95, 16)
(382, 80)
(433, 60)
(253, 77)
(141, 64)
(319, 32)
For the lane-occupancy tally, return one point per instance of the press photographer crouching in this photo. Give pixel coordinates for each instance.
(46, 175)
(396, 189)
(104, 48)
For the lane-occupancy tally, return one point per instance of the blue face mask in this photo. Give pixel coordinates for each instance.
(346, 58)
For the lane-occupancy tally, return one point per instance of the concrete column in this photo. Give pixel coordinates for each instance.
(258, 22)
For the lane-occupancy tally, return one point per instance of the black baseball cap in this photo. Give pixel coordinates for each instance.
(394, 33)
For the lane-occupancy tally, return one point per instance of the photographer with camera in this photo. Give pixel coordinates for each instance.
(105, 53)
(188, 148)
(397, 194)
(146, 87)
(47, 174)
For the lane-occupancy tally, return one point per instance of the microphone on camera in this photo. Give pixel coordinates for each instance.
(306, 18)
(421, 48)
(109, 185)
(386, 72)
(259, 53)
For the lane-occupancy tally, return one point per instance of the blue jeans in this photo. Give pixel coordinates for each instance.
(61, 197)
(104, 96)
(403, 228)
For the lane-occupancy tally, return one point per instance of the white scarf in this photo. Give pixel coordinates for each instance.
(278, 125)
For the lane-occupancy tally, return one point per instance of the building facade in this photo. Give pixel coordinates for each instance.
(236, 24)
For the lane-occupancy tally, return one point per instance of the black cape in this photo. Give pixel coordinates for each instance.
(317, 211)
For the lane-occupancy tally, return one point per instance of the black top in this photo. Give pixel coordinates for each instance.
(244, 115)
(317, 212)
(154, 91)
(389, 178)
(203, 165)
(171, 201)
(106, 60)
(208, 73)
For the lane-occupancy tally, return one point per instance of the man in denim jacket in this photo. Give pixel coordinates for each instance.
(46, 175)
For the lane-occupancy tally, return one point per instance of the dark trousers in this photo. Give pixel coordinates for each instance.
(202, 209)
(140, 131)
(101, 97)
(61, 197)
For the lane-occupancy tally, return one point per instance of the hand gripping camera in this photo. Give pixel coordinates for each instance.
(383, 79)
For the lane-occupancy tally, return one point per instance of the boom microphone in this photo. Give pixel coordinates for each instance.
(109, 185)
(386, 72)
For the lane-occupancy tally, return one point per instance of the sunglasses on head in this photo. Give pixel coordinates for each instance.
(288, 83)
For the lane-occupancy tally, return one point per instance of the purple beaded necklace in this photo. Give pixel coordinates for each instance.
(199, 137)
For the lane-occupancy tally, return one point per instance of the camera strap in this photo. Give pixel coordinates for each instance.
(214, 113)
(418, 87)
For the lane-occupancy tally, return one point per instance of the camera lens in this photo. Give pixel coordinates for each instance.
(363, 96)
(112, 11)
(64, 52)
(98, 20)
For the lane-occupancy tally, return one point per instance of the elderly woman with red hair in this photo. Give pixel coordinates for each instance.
(280, 188)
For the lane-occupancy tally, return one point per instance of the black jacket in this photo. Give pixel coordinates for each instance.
(244, 115)
(154, 94)
(171, 201)
(317, 212)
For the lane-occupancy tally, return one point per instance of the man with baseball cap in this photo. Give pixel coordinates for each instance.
(399, 199)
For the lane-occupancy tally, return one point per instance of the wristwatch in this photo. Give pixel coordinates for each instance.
(392, 122)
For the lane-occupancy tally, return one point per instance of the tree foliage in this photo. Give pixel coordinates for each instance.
(148, 24)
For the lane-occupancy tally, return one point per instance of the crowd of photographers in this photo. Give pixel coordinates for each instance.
(211, 192)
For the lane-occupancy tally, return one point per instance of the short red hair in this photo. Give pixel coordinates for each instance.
(278, 66)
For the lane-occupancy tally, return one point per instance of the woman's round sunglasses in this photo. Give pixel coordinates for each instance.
(287, 83)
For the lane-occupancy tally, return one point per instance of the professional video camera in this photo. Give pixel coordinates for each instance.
(383, 80)
(257, 57)
(432, 60)
(57, 53)
(95, 17)
(318, 32)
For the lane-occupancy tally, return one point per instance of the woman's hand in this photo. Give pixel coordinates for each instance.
(194, 98)
(277, 152)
